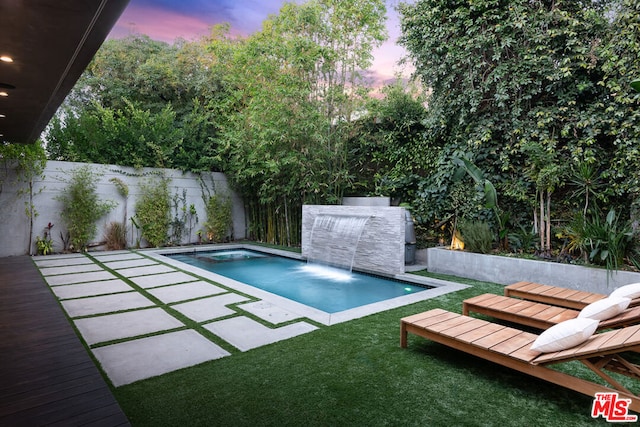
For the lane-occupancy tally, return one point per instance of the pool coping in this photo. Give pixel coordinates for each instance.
(440, 287)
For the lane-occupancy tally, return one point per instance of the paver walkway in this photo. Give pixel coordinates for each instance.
(142, 318)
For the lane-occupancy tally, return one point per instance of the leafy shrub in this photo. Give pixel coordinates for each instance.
(116, 236)
(152, 211)
(609, 241)
(577, 241)
(81, 207)
(522, 240)
(219, 218)
(477, 236)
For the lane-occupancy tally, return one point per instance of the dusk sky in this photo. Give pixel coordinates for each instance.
(167, 20)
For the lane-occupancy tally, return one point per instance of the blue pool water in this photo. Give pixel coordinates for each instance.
(327, 289)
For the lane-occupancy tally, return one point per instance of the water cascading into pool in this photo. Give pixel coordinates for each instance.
(334, 239)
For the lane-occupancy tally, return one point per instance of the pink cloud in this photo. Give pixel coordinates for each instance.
(159, 24)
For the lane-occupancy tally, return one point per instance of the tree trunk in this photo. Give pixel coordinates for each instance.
(542, 223)
(548, 222)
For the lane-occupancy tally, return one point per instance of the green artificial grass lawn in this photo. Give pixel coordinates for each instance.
(356, 374)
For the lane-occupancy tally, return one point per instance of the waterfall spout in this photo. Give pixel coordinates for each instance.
(334, 239)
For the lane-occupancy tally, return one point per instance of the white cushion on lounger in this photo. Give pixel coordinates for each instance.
(565, 335)
(605, 308)
(628, 291)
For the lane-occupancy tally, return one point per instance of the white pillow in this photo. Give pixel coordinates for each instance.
(605, 308)
(627, 291)
(565, 335)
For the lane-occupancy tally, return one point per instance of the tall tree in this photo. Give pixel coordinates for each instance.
(283, 140)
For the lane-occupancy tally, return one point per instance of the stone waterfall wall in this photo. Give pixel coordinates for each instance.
(382, 244)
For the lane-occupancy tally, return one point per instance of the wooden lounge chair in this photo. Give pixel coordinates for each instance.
(554, 295)
(538, 315)
(511, 348)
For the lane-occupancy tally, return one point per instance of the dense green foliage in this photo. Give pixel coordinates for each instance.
(532, 93)
(153, 215)
(140, 103)
(272, 110)
(388, 153)
(219, 219)
(536, 95)
(285, 140)
(81, 207)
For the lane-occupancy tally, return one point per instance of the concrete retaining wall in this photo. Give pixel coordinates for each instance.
(14, 227)
(381, 248)
(505, 270)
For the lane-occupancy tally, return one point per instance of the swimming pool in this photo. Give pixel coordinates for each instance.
(324, 288)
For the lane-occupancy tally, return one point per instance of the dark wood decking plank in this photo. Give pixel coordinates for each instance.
(48, 377)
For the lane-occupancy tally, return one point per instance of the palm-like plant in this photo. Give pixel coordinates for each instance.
(587, 183)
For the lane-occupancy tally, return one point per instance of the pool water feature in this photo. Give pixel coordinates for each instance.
(335, 238)
(328, 289)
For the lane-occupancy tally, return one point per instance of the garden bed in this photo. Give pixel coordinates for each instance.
(506, 270)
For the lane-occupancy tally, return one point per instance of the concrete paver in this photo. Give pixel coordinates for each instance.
(68, 279)
(209, 308)
(269, 312)
(135, 360)
(139, 262)
(105, 304)
(70, 269)
(80, 290)
(124, 325)
(245, 334)
(116, 256)
(185, 291)
(156, 280)
(142, 271)
(61, 260)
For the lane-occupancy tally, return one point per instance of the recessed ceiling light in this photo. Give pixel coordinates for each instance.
(5, 58)
(4, 94)
(2, 116)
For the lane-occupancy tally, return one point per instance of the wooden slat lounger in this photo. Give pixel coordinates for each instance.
(536, 314)
(511, 348)
(554, 295)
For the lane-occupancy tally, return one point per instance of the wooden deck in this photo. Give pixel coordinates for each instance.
(46, 375)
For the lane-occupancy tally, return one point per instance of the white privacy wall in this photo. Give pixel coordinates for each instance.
(14, 223)
(381, 248)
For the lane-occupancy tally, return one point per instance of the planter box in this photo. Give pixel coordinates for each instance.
(506, 270)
